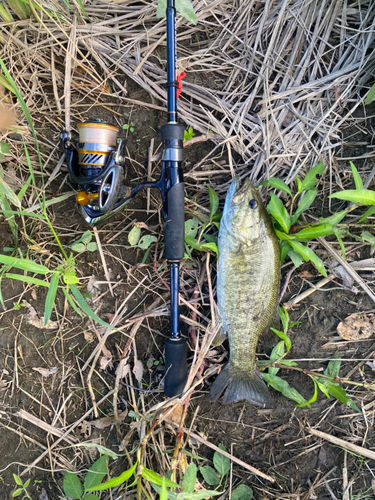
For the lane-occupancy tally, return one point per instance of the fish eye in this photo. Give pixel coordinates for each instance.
(253, 203)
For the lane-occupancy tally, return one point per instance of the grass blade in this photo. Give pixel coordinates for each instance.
(51, 295)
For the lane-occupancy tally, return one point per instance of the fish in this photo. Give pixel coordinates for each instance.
(248, 278)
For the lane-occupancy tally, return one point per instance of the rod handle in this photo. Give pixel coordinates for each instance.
(175, 367)
(174, 228)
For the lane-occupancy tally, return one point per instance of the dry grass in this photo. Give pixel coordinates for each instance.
(272, 84)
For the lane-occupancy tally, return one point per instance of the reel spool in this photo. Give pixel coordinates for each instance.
(96, 164)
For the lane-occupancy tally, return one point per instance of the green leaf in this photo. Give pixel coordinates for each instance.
(4, 148)
(163, 492)
(209, 475)
(198, 495)
(17, 480)
(284, 316)
(101, 449)
(92, 247)
(368, 237)
(370, 96)
(210, 246)
(242, 492)
(90, 496)
(276, 208)
(295, 258)
(146, 241)
(305, 203)
(362, 196)
(312, 232)
(339, 393)
(69, 277)
(310, 180)
(299, 185)
(333, 368)
(334, 219)
(190, 478)
(17, 492)
(282, 386)
(191, 227)
(276, 354)
(307, 254)
(51, 295)
(154, 477)
(184, 7)
(116, 481)
(284, 337)
(134, 235)
(315, 395)
(85, 307)
(283, 236)
(71, 302)
(221, 463)
(276, 183)
(357, 178)
(79, 247)
(27, 483)
(96, 473)
(323, 388)
(369, 211)
(72, 486)
(26, 279)
(86, 237)
(9, 193)
(24, 264)
(284, 249)
(210, 238)
(214, 201)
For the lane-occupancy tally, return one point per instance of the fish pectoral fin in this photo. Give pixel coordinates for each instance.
(240, 385)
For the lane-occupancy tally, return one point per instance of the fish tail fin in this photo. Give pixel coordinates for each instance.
(240, 385)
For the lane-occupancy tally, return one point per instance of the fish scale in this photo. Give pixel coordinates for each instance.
(247, 291)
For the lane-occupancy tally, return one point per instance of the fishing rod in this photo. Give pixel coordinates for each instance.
(96, 162)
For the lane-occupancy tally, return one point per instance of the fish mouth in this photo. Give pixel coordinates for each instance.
(241, 191)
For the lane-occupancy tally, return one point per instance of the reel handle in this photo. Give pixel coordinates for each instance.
(109, 189)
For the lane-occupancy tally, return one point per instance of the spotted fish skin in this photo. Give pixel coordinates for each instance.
(248, 278)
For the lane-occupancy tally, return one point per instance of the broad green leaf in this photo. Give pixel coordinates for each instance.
(368, 237)
(276, 208)
(362, 196)
(315, 395)
(284, 249)
(295, 258)
(221, 463)
(214, 201)
(154, 477)
(24, 264)
(190, 478)
(86, 237)
(163, 491)
(17, 480)
(209, 475)
(339, 393)
(51, 295)
(310, 180)
(92, 246)
(17, 493)
(210, 246)
(210, 238)
(116, 481)
(96, 473)
(299, 184)
(191, 227)
(27, 482)
(26, 279)
(72, 486)
(184, 7)
(283, 236)
(333, 367)
(9, 193)
(4, 148)
(90, 496)
(101, 449)
(79, 247)
(276, 354)
(146, 241)
(334, 219)
(307, 254)
(312, 232)
(284, 337)
(276, 183)
(305, 203)
(69, 277)
(369, 211)
(282, 386)
(323, 388)
(85, 307)
(357, 178)
(370, 96)
(242, 492)
(134, 235)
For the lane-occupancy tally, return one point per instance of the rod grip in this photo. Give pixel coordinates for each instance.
(174, 228)
(175, 367)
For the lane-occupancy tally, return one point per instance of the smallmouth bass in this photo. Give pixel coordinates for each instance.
(248, 276)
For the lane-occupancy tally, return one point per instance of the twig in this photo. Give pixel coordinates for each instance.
(360, 450)
(96, 233)
(149, 168)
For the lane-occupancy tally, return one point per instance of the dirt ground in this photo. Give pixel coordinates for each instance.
(275, 441)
